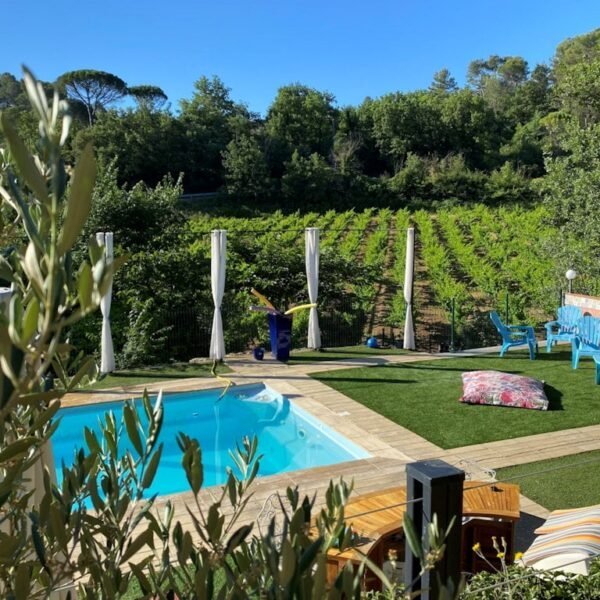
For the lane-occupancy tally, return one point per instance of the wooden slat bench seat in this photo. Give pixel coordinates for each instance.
(489, 509)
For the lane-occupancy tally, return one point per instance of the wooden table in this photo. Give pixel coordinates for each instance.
(489, 509)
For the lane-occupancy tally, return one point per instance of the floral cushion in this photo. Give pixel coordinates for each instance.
(503, 389)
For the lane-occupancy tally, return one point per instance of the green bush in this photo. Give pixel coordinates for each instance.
(527, 584)
(139, 216)
(508, 185)
(431, 182)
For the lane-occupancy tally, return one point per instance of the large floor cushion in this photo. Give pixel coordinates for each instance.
(567, 541)
(560, 520)
(503, 389)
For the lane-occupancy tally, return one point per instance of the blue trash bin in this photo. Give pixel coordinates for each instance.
(280, 329)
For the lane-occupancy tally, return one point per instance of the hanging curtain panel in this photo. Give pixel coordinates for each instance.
(312, 276)
(107, 353)
(218, 255)
(409, 331)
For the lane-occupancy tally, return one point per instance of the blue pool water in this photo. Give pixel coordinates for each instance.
(289, 438)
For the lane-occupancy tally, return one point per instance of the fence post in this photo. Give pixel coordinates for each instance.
(440, 486)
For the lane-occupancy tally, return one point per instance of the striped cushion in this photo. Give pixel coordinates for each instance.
(561, 519)
(583, 540)
(566, 533)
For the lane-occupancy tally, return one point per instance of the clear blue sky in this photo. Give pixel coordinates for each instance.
(351, 48)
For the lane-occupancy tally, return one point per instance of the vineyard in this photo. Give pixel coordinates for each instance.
(475, 259)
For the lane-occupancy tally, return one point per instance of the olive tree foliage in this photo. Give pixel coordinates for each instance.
(94, 89)
(46, 210)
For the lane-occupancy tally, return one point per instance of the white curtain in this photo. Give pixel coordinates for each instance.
(409, 330)
(218, 254)
(312, 276)
(107, 355)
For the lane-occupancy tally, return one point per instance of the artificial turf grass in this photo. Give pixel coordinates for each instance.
(570, 481)
(423, 396)
(147, 375)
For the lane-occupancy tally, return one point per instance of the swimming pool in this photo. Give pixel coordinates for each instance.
(289, 437)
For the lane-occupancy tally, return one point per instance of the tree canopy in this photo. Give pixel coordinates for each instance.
(509, 115)
(150, 97)
(94, 89)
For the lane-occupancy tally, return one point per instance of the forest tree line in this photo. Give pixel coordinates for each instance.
(488, 141)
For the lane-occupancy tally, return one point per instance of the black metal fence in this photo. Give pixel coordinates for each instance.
(188, 330)
(343, 323)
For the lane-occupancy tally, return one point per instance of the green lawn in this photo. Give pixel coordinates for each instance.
(423, 397)
(305, 356)
(146, 375)
(574, 482)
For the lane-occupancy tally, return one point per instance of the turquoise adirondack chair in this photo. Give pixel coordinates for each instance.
(515, 335)
(587, 342)
(564, 328)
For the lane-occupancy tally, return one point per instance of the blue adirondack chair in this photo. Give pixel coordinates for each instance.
(515, 335)
(564, 328)
(587, 342)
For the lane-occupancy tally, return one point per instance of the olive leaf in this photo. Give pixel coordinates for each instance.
(23, 159)
(80, 199)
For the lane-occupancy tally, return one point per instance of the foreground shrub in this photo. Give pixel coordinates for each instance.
(520, 583)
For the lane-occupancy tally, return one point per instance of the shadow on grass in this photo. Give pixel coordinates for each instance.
(153, 375)
(562, 355)
(317, 359)
(554, 397)
(340, 355)
(463, 369)
(364, 380)
(553, 356)
(520, 355)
